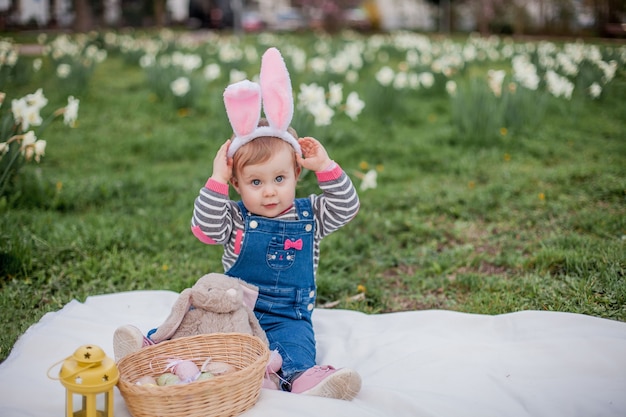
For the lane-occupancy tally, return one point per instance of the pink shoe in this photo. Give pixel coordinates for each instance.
(326, 381)
(270, 382)
(271, 379)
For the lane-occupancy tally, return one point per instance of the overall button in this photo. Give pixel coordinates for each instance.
(309, 307)
(253, 224)
(305, 213)
(312, 294)
(308, 227)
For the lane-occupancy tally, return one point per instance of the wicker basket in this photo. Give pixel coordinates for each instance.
(222, 396)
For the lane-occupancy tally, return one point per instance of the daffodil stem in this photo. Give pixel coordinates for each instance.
(5, 174)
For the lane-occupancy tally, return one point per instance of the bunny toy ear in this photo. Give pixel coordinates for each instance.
(173, 321)
(243, 104)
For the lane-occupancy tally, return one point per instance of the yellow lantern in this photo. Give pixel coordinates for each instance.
(90, 376)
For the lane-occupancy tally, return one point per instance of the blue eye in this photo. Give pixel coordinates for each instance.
(280, 178)
(256, 182)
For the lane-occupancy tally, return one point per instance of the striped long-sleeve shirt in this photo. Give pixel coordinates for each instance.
(218, 220)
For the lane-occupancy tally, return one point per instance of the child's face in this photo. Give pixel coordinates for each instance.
(269, 188)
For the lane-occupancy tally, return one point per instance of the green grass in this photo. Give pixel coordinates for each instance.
(535, 220)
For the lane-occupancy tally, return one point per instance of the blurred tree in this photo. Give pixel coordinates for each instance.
(562, 18)
(160, 19)
(5, 14)
(83, 22)
(485, 12)
(609, 16)
(445, 13)
(89, 13)
(327, 13)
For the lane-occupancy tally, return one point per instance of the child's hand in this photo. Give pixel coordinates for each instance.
(222, 165)
(315, 156)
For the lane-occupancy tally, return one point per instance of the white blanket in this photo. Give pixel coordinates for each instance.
(422, 363)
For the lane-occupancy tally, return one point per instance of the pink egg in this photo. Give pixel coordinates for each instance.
(186, 370)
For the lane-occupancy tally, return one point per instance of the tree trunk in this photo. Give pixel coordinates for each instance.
(53, 22)
(4, 14)
(83, 21)
(483, 12)
(159, 13)
(444, 16)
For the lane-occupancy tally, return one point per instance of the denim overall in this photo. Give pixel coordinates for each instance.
(277, 257)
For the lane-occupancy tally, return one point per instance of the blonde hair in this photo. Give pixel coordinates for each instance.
(261, 149)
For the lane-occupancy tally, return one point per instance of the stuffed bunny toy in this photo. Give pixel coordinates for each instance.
(216, 303)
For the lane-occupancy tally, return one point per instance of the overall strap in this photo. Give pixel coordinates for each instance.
(243, 209)
(304, 208)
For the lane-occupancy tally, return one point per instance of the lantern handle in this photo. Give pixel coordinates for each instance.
(70, 375)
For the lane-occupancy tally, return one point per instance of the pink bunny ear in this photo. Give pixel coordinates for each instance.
(243, 106)
(276, 90)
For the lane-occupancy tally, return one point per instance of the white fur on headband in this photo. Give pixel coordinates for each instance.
(243, 104)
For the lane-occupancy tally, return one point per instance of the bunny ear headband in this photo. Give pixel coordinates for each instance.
(243, 104)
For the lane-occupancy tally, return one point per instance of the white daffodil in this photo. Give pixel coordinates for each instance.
(26, 110)
(352, 76)
(322, 114)
(11, 58)
(354, 105)
(595, 90)
(165, 61)
(400, 81)
(40, 149)
(212, 72)
(451, 87)
(339, 64)
(229, 53)
(31, 117)
(36, 99)
(188, 62)
(18, 107)
(609, 69)
(318, 65)
(71, 111)
(101, 55)
(412, 57)
(369, 180)
(385, 76)
(147, 60)
(427, 79)
(525, 72)
(180, 86)
(335, 94)
(495, 79)
(236, 76)
(566, 63)
(251, 53)
(91, 51)
(64, 71)
(298, 59)
(310, 95)
(28, 145)
(558, 85)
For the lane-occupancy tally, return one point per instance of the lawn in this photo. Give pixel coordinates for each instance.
(483, 203)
